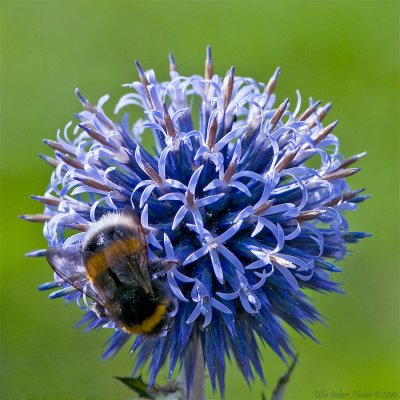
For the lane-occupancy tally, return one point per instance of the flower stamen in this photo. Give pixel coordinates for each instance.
(145, 82)
(212, 134)
(57, 146)
(321, 114)
(286, 160)
(310, 110)
(229, 88)
(264, 207)
(278, 115)
(168, 122)
(209, 70)
(340, 174)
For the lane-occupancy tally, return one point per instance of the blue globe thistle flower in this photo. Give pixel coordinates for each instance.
(229, 195)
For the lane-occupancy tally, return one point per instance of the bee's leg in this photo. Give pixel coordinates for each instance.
(157, 269)
(166, 329)
(99, 310)
(172, 308)
(168, 264)
(160, 267)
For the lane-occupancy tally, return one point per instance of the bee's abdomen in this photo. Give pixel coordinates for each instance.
(152, 324)
(141, 312)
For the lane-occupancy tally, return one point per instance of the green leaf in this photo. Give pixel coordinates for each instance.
(279, 390)
(263, 396)
(138, 385)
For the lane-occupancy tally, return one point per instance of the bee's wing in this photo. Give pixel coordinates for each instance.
(138, 262)
(68, 265)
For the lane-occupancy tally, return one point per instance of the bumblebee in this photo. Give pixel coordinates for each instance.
(111, 267)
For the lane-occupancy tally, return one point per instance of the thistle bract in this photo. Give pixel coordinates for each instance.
(243, 193)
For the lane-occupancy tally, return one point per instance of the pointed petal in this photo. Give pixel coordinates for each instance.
(229, 296)
(219, 306)
(181, 277)
(195, 313)
(250, 302)
(179, 216)
(152, 240)
(242, 187)
(244, 214)
(288, 275)
(196, 255)
(205, 201)
(216, 263)
(213, 184)
(169, 250)
(207, 312)
(230, 257)
(144, 218)
(194, 179)
(162, 161)
(259, 227)
(248, 174)
(143, 183)
(261, 282)
(175, 287)
(228, 233)
(146, 194)
(229, 136)
(296, 232)
(256, 264)
(173, 196)
(176, 184)
(198, 220)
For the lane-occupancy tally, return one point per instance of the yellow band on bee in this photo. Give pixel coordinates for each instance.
(96, 265)
(99, 262)
(149, 323)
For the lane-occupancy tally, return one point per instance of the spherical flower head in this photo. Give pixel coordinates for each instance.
(228, 199)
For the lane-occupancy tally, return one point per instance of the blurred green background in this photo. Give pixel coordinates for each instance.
(343, 52)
